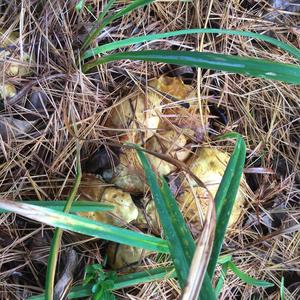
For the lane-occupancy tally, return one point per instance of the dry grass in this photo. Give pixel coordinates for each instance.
(40, 164)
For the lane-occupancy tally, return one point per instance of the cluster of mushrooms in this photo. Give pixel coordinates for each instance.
(165, 119)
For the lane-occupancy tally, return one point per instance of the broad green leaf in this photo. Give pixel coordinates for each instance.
(86, 226)
(102, 23)
(78, 206)
(181, 243)
(246, 278)
(225, 199)
(121, 282)
(229, 63)
(151, 37)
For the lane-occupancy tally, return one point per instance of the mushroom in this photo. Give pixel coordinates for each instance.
(184, 111)
(7, 90)
(91, 188)
(168, 142)
(128, 174)
(137, 115)
(148, 218)
(209, 167)
(12, 63)
(124, 210)
(120, 256)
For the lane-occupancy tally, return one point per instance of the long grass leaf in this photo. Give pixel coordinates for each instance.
(181, 244)
(128, 280)
(223, 259)
(225, 202)
(246, 278)
(221, 280)
(86, 226)
(181, 254)
(229, 63)
(282, 288)
(197, 277)
(78, 206)
(102, 23)
(121, 282)
(106, 9)
(152, 37)
(142, 277)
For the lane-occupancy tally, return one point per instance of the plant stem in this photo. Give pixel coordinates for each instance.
(55, 245)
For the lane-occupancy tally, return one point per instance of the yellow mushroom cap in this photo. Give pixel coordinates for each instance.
(15, 65)
(91, 188)
(137, 115)
(7, 90)
(209, 167)
(128, 174)
(172, 86)
(168, 142)
(12, 62)
(120, 256)
(124, 210)
(8, 39)
(148, 218)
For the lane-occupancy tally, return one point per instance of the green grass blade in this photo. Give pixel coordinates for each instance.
(86, 226)
(121, 282)
(223, 259)
(124, 281)
(142, 277)
(221, 280)
(282, 288)
(78, 206)
(182, 254)
(102, 23)
(151, 37)
(225, 201)
(175, 214)
(80, 5)
(55, 243)
(229, 63)
(246, 278)
(181, 243)
(106, 9)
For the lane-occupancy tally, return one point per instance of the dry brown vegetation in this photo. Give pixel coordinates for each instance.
(40, 164)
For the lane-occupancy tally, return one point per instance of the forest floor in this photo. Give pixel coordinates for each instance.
(39, 163)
